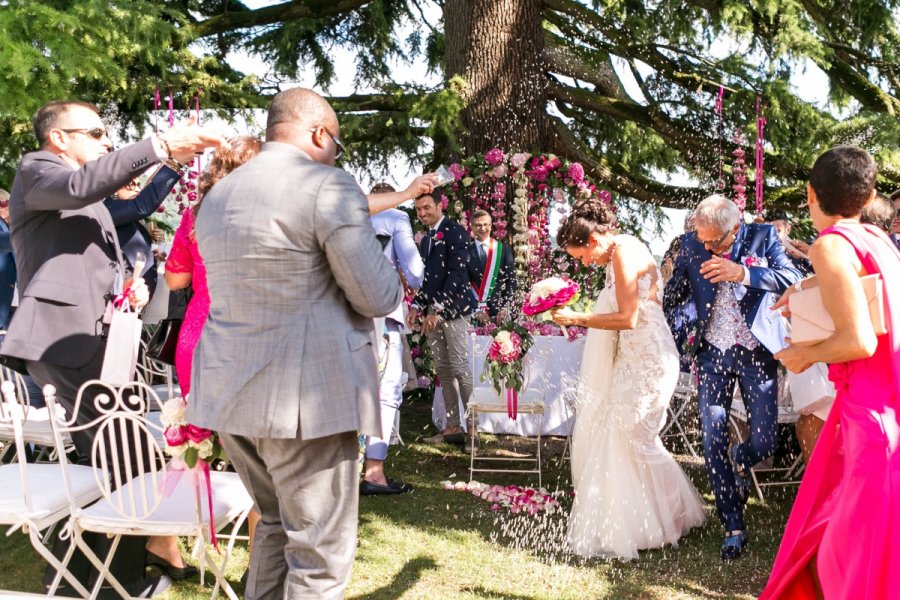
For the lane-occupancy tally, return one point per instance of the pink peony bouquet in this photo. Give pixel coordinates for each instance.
(552, 292)
(503, 365)
(185, 441)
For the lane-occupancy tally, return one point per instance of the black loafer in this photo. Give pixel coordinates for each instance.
(174, 573)
(367, 488)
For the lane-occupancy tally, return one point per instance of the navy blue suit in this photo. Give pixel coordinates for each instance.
(756, 371)
(445, 289)
(7, 274)
(128, 214)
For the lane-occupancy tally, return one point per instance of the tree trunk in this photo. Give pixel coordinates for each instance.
(497, 46)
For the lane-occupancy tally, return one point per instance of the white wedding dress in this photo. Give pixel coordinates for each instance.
(630, 494)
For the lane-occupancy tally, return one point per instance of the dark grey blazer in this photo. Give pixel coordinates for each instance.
(67, 254)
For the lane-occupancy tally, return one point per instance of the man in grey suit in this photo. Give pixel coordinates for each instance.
(69, 262)
(285, 369)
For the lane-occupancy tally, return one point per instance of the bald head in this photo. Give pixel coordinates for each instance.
(298, 108)
(302, 118)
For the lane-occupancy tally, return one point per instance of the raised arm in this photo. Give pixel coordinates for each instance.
(423, 184)
(344, 231)
(408, 254)
(147, 201)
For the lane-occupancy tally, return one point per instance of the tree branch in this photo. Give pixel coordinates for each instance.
(280, 13)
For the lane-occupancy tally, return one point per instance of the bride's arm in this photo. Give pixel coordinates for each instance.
(626, 275)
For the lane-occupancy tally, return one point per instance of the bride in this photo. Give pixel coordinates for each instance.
(630, 494)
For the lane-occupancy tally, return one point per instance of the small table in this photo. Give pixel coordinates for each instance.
(552, 366)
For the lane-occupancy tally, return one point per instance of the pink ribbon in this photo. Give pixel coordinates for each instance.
(176, 469)
(720, 108)
(156, 103)
(512, 403)
(171, 109)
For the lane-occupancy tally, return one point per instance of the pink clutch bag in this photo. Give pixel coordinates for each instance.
(811, 323)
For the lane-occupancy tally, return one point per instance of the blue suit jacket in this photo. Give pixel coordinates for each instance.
(128, 214)
(446, 289)
(7, 274)
(758, 248)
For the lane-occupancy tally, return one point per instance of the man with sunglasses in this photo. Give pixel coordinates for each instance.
(286, 367)
(735, 273)
(70, 265)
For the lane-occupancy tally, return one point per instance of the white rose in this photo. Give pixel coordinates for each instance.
(176, 451)
(467, 181)
(173, 412)
(502, 337)
(205, 448)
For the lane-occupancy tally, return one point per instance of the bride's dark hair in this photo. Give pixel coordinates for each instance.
(588, 216)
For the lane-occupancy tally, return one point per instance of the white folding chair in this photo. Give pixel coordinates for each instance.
(35, 421)
(485, 400)
(775, 476)
(141, 495)
(570, 402)
(38, 495)
(685, 394)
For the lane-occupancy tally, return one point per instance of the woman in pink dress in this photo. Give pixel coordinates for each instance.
(184, 266)
(843, 536)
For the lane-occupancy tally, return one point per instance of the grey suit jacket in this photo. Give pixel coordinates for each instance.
(67, 254)
(295, 278)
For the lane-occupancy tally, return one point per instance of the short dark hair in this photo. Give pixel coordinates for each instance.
(776, 215)
(843, 179)
(478, 214)
(587, 217)
(433, 199)
(49, 116)
(382, 187)
(879, 212)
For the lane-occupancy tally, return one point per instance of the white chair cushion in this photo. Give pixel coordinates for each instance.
(35, 424)
(46, 492)
(175, 513)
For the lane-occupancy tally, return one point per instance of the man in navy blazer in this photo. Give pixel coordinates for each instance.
(445, 302)
(735, 273)
(128, 209)
(7, 263)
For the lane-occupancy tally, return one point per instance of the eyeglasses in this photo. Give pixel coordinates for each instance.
(716, 243)
(98, 133)
(337, 141)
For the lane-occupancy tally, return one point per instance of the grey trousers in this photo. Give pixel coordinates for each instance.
(449, 343)
(307, 493)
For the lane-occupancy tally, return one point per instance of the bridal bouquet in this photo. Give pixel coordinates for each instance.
(552, 292)
(188, 442)
(504, 366)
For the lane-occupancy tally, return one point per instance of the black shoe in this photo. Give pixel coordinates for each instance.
(455, 438)
(734, 544)
(174, 573)
(367, 488)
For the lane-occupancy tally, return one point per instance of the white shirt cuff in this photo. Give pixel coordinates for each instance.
(746, 281)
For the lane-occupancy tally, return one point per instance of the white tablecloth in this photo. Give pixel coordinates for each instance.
(552, 365)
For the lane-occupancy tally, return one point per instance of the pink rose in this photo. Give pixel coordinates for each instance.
(494, 157)
(518, 160)
(439, 235)
(575, 173)
(500, 171)
(458, 171)
(175, 436)
(197, 434)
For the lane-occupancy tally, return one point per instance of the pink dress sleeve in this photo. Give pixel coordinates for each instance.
(180, 259)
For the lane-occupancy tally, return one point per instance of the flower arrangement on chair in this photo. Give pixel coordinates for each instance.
(186, 442)
(504, 363)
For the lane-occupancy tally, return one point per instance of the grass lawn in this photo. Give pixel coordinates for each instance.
(435, 543)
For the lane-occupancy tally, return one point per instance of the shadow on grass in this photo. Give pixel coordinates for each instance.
(405, 579)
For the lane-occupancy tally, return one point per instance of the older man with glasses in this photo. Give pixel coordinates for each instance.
(735, 273)
(70, 265)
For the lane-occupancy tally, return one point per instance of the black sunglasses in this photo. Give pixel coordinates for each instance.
(337, 141)
(716, 243)
(98, 133)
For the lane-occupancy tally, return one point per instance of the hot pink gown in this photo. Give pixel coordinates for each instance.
(185, 258)
(847, 513)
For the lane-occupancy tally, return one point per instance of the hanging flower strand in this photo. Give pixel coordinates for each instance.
(720, 110)
(760, 156)
(739, 171)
